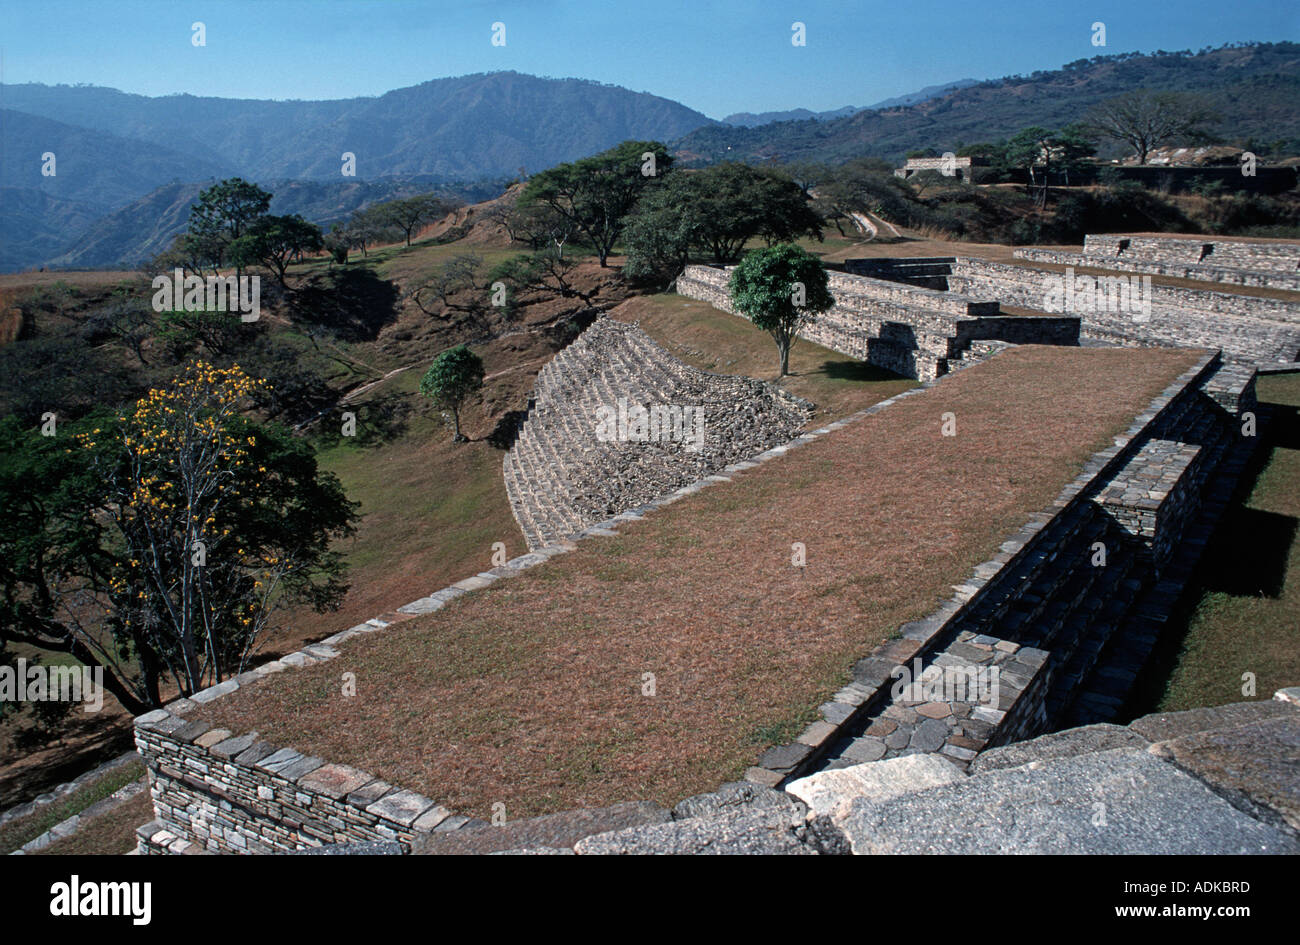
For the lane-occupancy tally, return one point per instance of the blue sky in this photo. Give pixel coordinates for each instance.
(718, 56)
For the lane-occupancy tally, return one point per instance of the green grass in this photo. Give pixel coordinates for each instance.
(14, 834)
(1246, 615)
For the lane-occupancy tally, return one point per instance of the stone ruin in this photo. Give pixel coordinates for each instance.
(879, 769)
(565, 473)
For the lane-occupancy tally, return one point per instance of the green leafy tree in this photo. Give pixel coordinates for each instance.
(410, 213)
(715, 211)
(596, 194)
(160, 543)
(368, 226)
(275, 242)
(455, 374)
(223, 214)
(781, 289)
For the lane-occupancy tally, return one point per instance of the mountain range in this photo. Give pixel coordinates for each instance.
(128, 166)
(752, 120)
(1255, 89)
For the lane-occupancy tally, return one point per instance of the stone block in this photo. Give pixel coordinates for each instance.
(1150, 808)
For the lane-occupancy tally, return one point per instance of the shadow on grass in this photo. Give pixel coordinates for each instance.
(852, 370)
(1246, 557)
(353, 303)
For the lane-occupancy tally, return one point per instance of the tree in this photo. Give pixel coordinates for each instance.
(455, 374)
(369, 225)
(274, 241)
(456, 285)
(337, 243)
(126, 318)
(160, 543)
(1031, 148)
(1145, 120)
(540, 226)
(223, 214)
(715, 211)
(781, 289)
(410, 213)
(861, 187)
(596, 194)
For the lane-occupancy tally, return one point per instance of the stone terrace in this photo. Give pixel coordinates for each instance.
(909, 329)
(1246, 327)
(561, 477)
(1261, 264)
(529, 692)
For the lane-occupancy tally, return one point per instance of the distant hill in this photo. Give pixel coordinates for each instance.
(468, 127)
(97, 167)
(753, 120)
(33, 224)
(925, 94)
(1255, 87)
(134, 161)
(148, 224)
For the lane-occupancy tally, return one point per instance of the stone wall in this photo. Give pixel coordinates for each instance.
(217, 792)
(1040, 612)
(1245, 327)
(563, 474)
(928, 272)
(1046, 613)
(1254, 255)
(907, 329)
(1179, 270)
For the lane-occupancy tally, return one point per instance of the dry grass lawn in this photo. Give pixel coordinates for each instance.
(530, 692)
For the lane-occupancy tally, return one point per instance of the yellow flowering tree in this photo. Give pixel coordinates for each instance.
(201, 524)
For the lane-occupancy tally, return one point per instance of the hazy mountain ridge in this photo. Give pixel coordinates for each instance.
(1255, 87)
(753, 120)
(481, 125)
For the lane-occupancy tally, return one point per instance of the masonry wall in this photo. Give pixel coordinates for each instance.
(1205, 272)
(908, 329)
(220, 793)
(1254, 255)
(1246, 327)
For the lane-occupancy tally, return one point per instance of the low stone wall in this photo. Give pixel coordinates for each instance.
(565, 473)
(1028, 287)
(903, 328)
(217, 792)
(1042, 612)
(1177, 270)
(1254, 255)
(1118, 312)
(927, 272)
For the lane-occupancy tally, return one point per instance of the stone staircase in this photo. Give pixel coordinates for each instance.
(563, 475)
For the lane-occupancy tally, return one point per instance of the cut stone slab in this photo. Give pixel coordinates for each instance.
(771, 831)
(1150, 807)
(1068, 743)
(556, 832)
(402, 807)
(828, 792)
(732, 796)
(334, 780)
(1257, 764)
(1163, 726)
